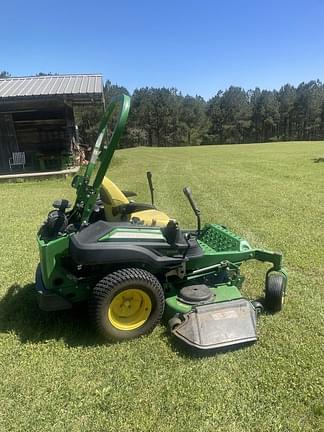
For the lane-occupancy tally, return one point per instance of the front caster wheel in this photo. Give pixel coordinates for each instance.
(275, 288)
(126, 304)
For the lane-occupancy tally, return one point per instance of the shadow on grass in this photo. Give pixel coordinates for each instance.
(19, 313)
(317, 160)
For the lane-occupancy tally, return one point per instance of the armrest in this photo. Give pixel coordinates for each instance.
(132, 207)
(129, 194)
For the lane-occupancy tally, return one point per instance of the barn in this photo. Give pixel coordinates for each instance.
(37, 118)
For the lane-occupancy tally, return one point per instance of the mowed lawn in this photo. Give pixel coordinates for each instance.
(56, 375)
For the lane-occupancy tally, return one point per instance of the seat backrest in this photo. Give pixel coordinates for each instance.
(18, 158)
(111, 197)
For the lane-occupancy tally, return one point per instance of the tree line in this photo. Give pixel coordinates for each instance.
(165, 117)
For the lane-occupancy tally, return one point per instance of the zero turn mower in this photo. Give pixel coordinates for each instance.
(135, 265)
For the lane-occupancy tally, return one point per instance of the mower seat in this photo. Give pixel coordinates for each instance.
(113, 199)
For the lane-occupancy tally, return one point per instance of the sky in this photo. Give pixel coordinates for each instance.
(198, 47)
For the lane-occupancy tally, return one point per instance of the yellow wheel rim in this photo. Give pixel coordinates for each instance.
(129, 309)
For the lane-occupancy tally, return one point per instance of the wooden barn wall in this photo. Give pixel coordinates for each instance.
(8, 141)
(42, 131)
(41, 128)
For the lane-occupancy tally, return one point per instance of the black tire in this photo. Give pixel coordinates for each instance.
(174, 322)
(258, 307)
(275, 292)
(114, 284)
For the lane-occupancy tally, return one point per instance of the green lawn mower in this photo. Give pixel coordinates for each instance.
(134, 265)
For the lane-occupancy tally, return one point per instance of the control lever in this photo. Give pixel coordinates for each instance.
(196, 210)
(150, 183)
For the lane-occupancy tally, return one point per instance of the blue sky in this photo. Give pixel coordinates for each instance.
(198, 47)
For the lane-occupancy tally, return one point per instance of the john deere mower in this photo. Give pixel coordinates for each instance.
(135, 265)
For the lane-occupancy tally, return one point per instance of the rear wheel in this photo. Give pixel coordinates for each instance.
(126, 304)
(275, 292)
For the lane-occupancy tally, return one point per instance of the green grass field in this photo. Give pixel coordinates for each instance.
(57, 376)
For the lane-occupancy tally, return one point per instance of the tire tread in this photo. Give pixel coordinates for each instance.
(108, 284)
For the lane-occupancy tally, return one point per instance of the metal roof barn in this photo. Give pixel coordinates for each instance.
(37, 116)
(89, 85)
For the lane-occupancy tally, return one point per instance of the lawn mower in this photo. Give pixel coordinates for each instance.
(134, 265)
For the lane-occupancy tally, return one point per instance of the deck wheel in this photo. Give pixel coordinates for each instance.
(275, 288)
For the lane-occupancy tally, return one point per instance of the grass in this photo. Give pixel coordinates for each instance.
(57, 376)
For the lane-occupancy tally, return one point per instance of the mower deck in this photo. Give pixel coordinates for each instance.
(218, 325)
